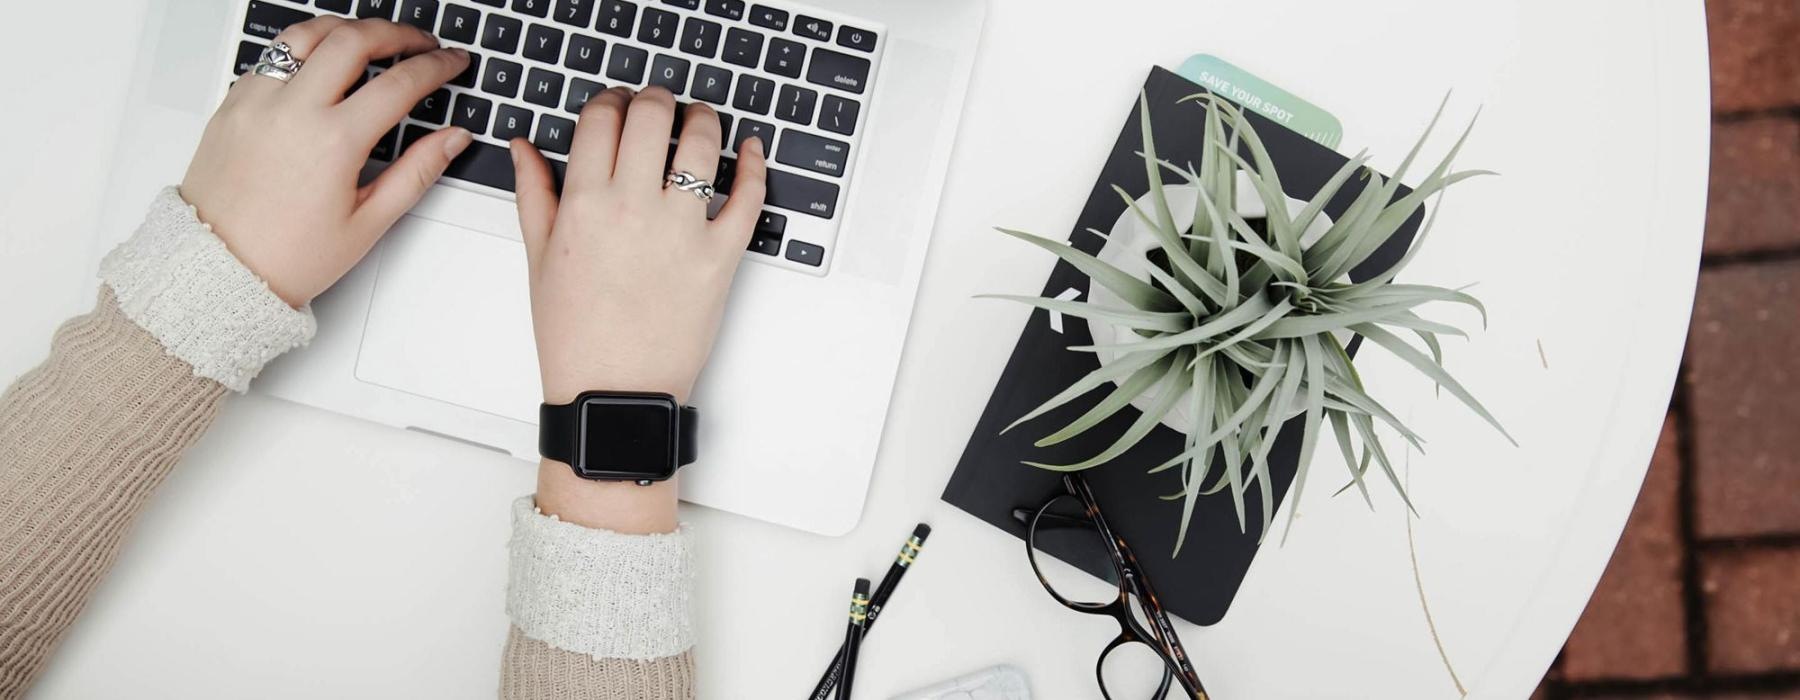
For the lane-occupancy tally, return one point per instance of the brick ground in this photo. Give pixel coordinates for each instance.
(1752, 609)
(1755, 195)
(1635, 625)
(1717, 525)
(1743, 381)
(1755, 58)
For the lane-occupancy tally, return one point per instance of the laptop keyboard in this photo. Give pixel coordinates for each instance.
(799, 79)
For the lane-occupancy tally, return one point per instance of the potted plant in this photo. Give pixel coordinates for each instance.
(1222, 308)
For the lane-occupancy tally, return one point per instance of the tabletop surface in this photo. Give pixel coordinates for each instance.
(298, 553)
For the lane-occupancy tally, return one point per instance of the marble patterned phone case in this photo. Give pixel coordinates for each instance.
(997, 683)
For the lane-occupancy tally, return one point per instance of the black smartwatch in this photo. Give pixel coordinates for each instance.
(619, 436)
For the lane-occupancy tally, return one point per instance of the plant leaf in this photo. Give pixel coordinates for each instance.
(1134, 291)
(1430, 369)
(1250, 310)
(1147, 420)
(1121, 366)
(1118, 398)
(1163, 321)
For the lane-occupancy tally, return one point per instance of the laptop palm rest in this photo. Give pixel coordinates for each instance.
(450, 319)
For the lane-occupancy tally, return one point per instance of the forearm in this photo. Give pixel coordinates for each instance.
(85, 438)
(88, 436)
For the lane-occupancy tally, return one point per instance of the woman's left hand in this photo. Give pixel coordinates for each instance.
(276, 171)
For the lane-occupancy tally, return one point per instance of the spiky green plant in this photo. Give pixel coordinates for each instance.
(1247, 329)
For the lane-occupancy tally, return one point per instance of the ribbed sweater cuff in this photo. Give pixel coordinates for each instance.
(178, 281)
(600, 593)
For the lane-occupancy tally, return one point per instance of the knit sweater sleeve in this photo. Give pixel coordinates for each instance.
(87, 436)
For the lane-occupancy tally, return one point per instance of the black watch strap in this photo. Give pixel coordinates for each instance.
(559, 428)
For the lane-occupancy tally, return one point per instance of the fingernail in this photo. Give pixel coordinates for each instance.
(514, 150)
(460, 51)
(756, 145)
(459, 139)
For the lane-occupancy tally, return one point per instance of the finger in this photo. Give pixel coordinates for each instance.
(536, 190)
(302, 39)
(399, 187)
(644, 142)
(382, 103)
(697, 151)
(346, 52)
(737, 219)
(596, 145)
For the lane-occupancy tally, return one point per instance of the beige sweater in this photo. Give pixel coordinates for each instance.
(88, 436)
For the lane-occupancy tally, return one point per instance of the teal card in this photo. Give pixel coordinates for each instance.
(1262, 97)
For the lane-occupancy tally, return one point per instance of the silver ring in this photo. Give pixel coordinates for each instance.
(278, 62)
(686, 182)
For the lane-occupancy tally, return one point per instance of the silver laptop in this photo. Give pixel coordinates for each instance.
(858, 98)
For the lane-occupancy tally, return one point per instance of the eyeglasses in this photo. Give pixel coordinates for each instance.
(1146, 659)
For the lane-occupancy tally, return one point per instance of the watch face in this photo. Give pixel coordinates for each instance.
(625, 437)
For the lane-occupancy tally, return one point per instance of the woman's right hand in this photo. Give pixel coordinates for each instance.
(628, 279)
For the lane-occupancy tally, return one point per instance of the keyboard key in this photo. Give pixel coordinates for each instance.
(378, 9)
(544, 88)
(802, 194)
(751, 127)
(617, 17)
(815, 153)
(711, 83)
(769, 18)
(838, 70)
(554, 134)
(585, 54)
(535, 8)
(482, 164)
(764, 243)
(805, 253)
(501, 77)
(743, 47)
(729, 9)
(543, 43)
(265, 20)
(627, 63)
(754, 94)
(727, 174)
(460, 24)
(341, 7)
(700, 37)
(669, 72)
(838, 115)
(684, 4)
(795, 104)
(419, 13)
(580, 91)
(493, 3)
(388, 147)
(247, 54)
(785, 58)
(853, 38)
(471, 112)
(771, 222)
(812, 28)
(467, 77)
(575, 13)
(512, 122)
(658, 27)
(435, 108)
(501, 33)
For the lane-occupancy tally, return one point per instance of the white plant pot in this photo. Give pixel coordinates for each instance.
(1128, 243)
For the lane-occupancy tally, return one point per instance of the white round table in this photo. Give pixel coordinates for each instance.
(302, 554)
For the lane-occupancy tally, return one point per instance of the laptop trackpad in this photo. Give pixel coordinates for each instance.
(450, 319)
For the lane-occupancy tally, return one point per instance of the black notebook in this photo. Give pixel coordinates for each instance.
(990, 481)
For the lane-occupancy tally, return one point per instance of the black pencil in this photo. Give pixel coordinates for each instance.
(859, 617)
(909, 551)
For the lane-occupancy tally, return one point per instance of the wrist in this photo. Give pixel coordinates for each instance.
(562, 391)
(620, 506)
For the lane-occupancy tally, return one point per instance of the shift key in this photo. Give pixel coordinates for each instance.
(815, 153)
(802, 194)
